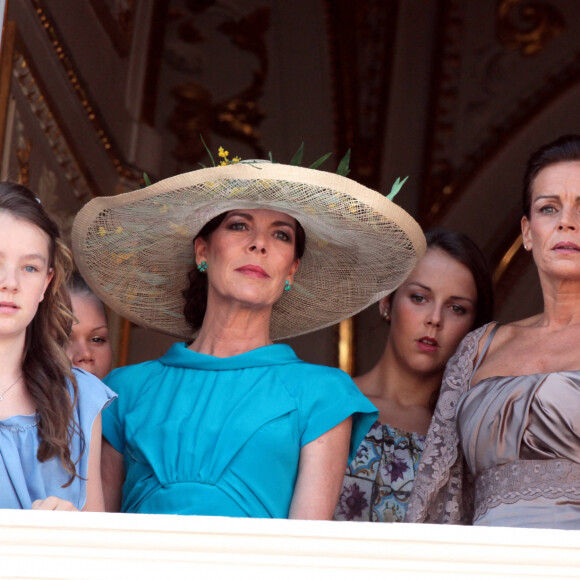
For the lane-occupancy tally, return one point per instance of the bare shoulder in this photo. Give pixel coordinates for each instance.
(516, 348)
(366, 384)
(510, 331)
(524, 324)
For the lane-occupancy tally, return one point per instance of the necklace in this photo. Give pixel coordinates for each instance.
(2, 394)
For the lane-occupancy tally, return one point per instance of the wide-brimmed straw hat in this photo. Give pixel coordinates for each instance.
(135, 249)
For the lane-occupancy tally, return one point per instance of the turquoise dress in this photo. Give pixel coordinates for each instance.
(24, 479)
(205, 435)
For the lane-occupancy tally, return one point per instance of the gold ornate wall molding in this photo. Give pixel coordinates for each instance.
(528, 26)
(118, 20)
(6, 57)
(451, 165)
(38, 101)
(197, 111)
(94, 117)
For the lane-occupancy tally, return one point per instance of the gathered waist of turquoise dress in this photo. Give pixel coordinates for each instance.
(190, 498)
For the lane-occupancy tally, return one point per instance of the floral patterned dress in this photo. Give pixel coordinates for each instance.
(378, 482)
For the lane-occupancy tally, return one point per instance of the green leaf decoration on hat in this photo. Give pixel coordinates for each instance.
(297, 158)
(396, 187)
(208, 151)
(320, 161)
(343, 165)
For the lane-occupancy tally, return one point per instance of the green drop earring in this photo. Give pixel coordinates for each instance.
(287, 286)
(202, 267)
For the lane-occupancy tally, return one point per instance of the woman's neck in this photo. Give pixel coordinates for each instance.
(393, 381)
(402, 395)
(232, 331)
(561, 303)
(16, 399)
(11, 352)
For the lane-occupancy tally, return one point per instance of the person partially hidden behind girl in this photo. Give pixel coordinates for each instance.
(89, 347)
(50, 416)
(448, 294)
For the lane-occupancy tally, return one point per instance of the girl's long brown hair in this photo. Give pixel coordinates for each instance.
(46, 368)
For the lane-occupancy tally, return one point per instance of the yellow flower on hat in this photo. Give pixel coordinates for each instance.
(223, 153)
(179, 229)
(120, 258)
(102, 231)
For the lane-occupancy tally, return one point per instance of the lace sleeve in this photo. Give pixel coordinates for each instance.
(443, 489)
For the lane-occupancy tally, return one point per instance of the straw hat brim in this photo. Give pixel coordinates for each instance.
(135, 249)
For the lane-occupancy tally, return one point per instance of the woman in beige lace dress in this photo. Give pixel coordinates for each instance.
(503, 448)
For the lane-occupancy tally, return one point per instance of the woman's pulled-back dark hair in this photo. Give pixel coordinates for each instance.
(196, 294)
(564, 149)
(463, 249)
(46, 368)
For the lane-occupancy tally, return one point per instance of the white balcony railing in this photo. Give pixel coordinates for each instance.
(109, 546)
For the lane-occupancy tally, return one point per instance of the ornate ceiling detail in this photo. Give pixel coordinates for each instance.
(528, 26)
(362, 54)
(487, 88)
(117, 18)
(104, 136)
(197, 111)
(39, 105)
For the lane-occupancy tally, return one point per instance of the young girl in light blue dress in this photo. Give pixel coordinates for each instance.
(50, 415)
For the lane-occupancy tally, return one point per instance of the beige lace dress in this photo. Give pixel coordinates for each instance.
(503, 452)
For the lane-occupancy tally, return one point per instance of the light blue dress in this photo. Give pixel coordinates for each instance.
(24, 479)
(222, 436)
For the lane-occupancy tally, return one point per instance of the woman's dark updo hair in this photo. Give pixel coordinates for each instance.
(196, 294)
(463, 249)
(562, 150)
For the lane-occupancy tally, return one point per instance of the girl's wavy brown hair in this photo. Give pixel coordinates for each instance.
(45, 366)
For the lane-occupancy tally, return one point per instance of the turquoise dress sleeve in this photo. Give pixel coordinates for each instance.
(113, 424)
(327, 397)
(131, 383)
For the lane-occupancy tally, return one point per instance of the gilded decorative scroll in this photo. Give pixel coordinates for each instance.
(103, 135)
(238, 116)
(525, 26)
(39, 103)
(528, 26)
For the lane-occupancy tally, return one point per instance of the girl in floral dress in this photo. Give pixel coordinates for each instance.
(448, 294)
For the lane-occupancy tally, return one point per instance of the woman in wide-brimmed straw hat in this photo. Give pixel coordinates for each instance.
(227, 423)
